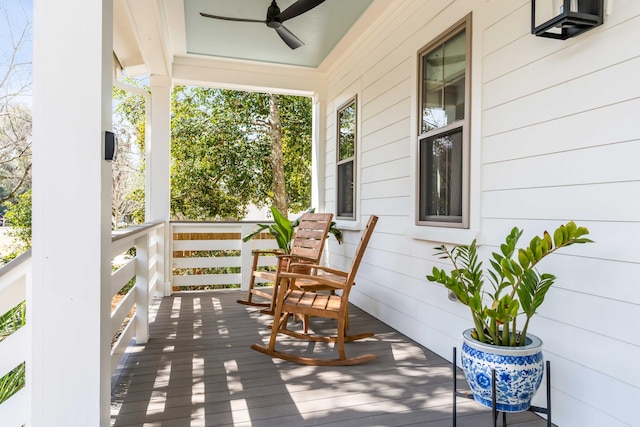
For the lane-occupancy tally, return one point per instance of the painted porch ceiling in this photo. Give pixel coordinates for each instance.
(320, 29)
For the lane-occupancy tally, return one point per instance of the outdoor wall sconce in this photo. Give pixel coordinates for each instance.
(110, 146)
(561, 19)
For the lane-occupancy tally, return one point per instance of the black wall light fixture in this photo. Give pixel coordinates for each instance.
(561, 19)
(110, 146)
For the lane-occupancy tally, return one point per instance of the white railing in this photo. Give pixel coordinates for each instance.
(146, 267)
(14, 279)
(204, 253)
(213, 253)
(144, 272)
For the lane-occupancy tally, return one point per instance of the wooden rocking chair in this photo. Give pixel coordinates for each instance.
(306, 248)
(294, 301)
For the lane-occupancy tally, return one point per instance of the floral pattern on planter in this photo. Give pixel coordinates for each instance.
(518, 372)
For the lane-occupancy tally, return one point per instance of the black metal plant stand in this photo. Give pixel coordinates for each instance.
(469, 395)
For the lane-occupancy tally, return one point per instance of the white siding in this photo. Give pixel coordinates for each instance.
(555, 136)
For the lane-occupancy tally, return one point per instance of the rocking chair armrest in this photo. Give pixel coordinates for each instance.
(329, 282)
(320, 268)
(276, 252)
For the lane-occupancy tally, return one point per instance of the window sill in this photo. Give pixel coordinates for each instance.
(454, 236)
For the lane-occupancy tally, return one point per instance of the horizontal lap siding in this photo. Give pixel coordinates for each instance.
(575, 167)
(391, 282)
(560, 142)
(557, 136)
(622, 127)
(605, 87)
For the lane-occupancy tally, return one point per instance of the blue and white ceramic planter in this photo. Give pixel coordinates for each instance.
(518, 372)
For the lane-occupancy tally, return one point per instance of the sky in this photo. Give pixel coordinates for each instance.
(15, 16)
(19, 12)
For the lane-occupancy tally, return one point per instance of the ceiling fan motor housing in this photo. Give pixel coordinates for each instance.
(272, 12)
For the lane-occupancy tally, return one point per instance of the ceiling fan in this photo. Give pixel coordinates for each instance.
(275, 18)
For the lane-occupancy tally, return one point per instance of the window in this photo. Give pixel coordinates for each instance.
(345, 161)
(443, 139)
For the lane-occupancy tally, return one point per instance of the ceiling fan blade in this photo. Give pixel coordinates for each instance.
(298, 8)
(226, 18)
(288, 37)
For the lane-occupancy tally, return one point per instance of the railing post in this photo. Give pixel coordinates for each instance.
(246, 257)
(168, 259)
(167, 254)
(142, 289)
(161, 258)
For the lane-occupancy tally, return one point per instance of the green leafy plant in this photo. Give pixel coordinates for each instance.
(283, 230)
(518, 287)
(10, 322)
(18, 216)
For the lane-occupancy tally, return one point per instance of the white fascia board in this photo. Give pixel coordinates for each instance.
(151, 35)
(245, 75)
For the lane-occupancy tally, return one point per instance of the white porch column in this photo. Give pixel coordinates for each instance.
(70, 307)
(318, 144)
(158, 154)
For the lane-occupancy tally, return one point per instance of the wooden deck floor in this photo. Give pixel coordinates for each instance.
(198, 370)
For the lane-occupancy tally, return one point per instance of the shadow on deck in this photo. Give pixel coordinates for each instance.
(198, 370)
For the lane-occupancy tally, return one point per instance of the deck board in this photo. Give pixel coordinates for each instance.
(198, 370)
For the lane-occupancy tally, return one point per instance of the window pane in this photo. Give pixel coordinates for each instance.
(441, 178)
(443, 83)
(345, 189)
(433, 115)
(346, 132)
(454, 73)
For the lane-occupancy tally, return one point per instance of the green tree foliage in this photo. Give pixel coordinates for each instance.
(295, 113)
(15, 151)
(129, 111)
(221, 148)
(211, 157)
(19, 218)
(127, 187)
